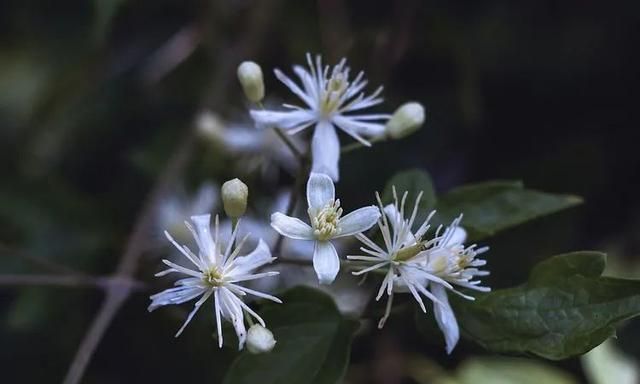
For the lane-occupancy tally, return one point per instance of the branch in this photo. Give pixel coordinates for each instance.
(73, 281)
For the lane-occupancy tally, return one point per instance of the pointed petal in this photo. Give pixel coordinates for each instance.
(325, 148)
(294, 88)
(257, 258)
(458, 236)
(359, 220)
(291, 227)
(285, 120)
(325, 262)
(445, 317)
(320, 190)
(204, 239)
(348, 123)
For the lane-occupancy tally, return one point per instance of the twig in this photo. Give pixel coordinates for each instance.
(296, 152)
(116, 295)
(39, 261)
(303, 173)
(67, 281)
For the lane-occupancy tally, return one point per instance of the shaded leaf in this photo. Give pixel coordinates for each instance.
(565, 309)
(494, 206)
(313, 343)
(412, 181)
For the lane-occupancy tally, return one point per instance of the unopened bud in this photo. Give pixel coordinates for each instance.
(250, 76)
(260, 339)
(405, 120)
(209, 126)
(234, 198)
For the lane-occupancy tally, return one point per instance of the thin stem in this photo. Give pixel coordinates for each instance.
(39, 261)
(357, 145)
(73, 281)
(285, 138)
(234, 224)
(303, 174)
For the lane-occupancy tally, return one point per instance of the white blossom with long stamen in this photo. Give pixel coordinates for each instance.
(216, 272)
(400, 254)
(422, 267)
(330, 100)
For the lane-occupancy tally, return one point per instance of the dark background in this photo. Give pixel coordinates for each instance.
(96, 96)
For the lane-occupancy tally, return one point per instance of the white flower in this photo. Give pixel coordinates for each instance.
(260, 339)
(449, 259)
(217, 272)
(327, 223)
(415, 264)
(259, 149)
(328, 96)
(401, 254)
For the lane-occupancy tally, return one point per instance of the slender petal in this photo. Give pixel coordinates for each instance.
(285, 120)
(359, 220)
(320, 191)
(349, 123)
(204, 239)
(257, 258)
(291, 227)
(325, 262)
(325, 148)
(445, 317)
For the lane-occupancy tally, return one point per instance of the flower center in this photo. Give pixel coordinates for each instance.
(325, 223)
(408, 253)
(332, 94)
(212, 277)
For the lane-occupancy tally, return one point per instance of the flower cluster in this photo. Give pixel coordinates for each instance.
(422, 266)
(410, 260)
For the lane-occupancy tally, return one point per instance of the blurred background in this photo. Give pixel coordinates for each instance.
(114, 114)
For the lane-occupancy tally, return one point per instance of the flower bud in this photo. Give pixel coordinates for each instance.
(234, 198)
(250, 76)
(405, 120)
(260, 339)
(210, 126)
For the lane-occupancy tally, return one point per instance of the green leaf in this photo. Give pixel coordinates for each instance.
(412, 181)
(493, 206)
(313, 343)
(565, 309)
(510, 371)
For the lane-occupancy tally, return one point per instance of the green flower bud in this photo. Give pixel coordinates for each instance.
(234, 198)
(250, 76)
(405, 120)
(260, 339)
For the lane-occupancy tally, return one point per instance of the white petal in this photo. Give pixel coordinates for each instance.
(359, 220)
(285, 120)
(325, 262)
(445, 317)
(325, 148)
(204, 239)
(348, 123)
(308, 99)
(458, 236)
(232, 311)
(320, 190)
(246, 264)
(291, 227)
